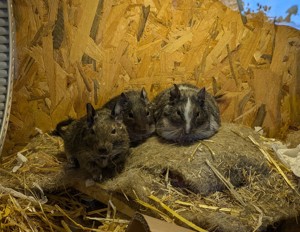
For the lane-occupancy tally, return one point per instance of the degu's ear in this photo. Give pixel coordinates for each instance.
(120, 105)
(175, 93)
(90, 112)
(201, 96)
(144, 95)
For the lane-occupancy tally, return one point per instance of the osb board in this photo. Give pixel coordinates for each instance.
(76, 51)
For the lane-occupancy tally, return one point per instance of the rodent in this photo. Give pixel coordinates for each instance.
(97, 142)
(137, 113)
(184, 113)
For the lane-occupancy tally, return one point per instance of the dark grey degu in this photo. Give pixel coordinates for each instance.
(137, 114)
(185, 113)
(97, 142)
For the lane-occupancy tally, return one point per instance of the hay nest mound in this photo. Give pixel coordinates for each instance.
(44, 168)
(231, 182)
(224, 184)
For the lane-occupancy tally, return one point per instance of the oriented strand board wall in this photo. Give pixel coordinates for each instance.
(75, 51)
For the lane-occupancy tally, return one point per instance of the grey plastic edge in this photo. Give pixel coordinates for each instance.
(8, 102)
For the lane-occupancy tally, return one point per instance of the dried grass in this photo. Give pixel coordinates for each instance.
(63, 211)
(225, 183)
(222, 184)
(37, 197)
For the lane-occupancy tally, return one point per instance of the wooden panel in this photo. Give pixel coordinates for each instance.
(74, 52)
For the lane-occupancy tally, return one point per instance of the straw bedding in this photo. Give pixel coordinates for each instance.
(227, 183)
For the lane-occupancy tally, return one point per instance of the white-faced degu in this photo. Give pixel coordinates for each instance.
(137, 114)
(185, 113)
(97, 142)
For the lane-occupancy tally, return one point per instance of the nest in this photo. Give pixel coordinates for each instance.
(37, 196)
(228, 183)
(64, 211)
(44, 166)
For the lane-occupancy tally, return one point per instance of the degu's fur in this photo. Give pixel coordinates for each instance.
(97, 142)
(137, 114)
(185, 113)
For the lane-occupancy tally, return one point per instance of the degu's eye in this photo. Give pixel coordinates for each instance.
(130, 114)
(178, 112)
(113, 131)
(198, 114)
(147, 112)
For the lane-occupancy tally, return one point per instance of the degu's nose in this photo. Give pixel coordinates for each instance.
(108, 146)
(187, 128)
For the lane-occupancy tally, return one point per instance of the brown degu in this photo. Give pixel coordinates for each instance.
(185, 113)
(137, 114)
(97, 142)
